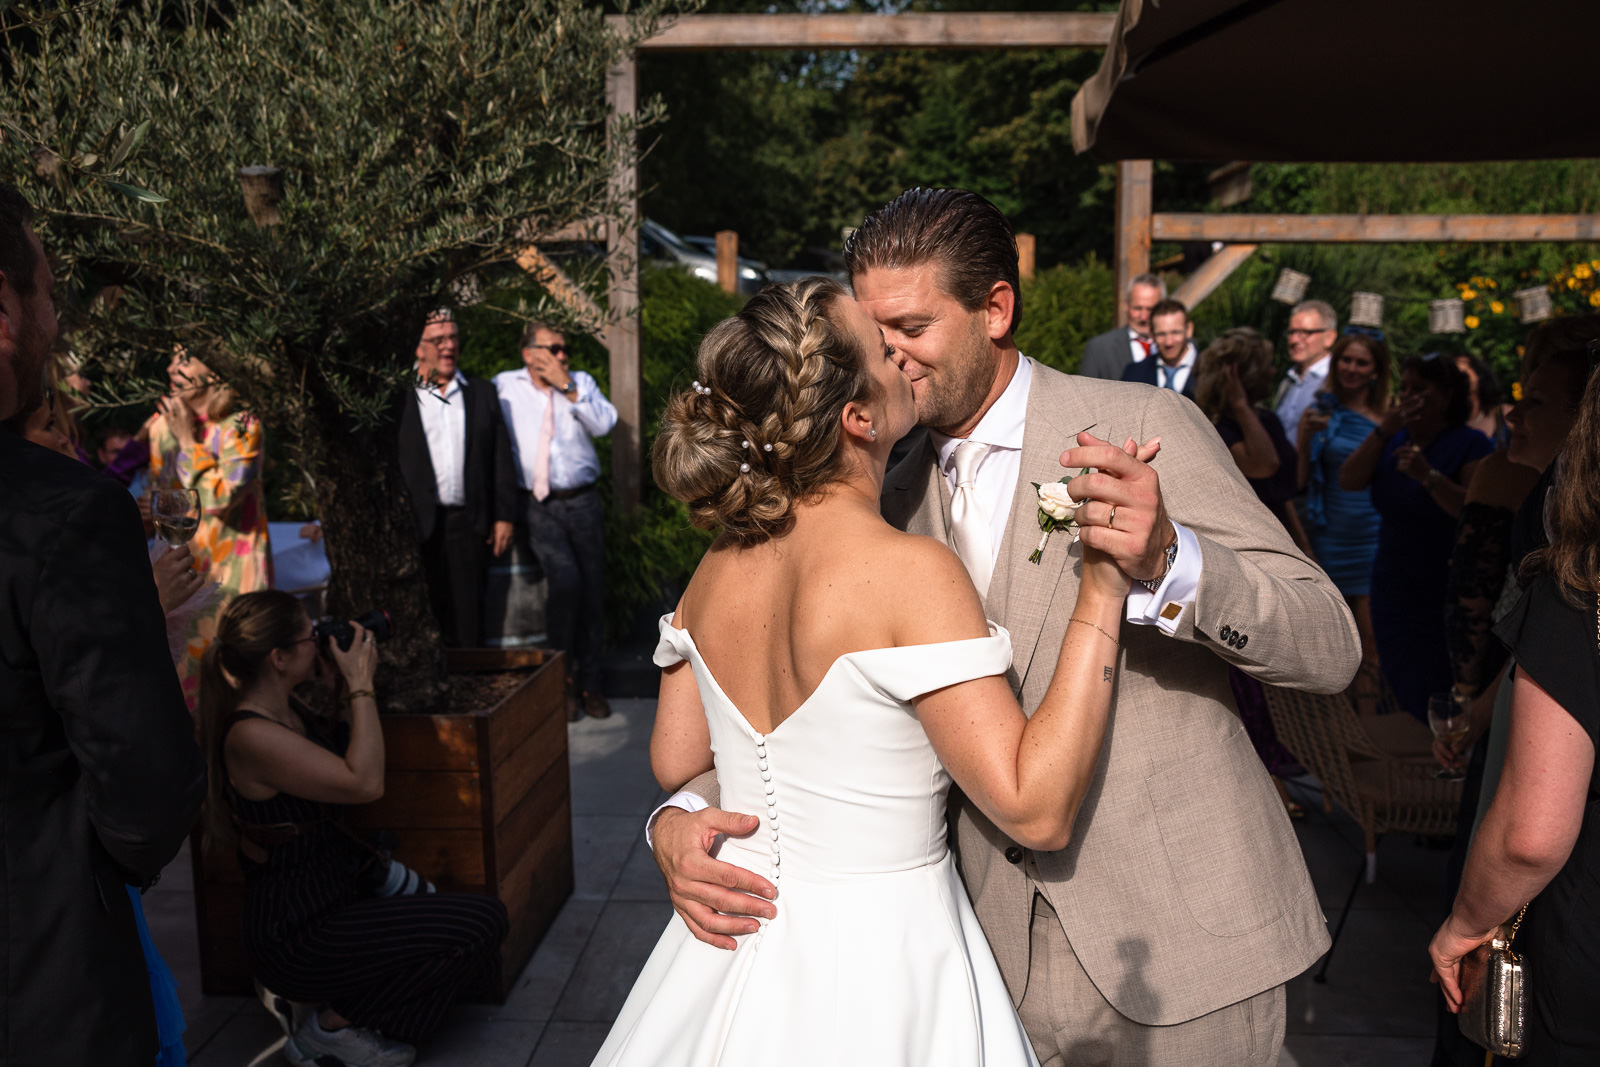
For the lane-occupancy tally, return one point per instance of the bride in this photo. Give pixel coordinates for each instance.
(837, 674)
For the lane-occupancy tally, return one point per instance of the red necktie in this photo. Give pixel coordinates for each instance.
(1146, 344)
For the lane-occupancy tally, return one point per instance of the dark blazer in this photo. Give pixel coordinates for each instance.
(100, 777)
(491, 480)
(1106, 354)
(1145, 371)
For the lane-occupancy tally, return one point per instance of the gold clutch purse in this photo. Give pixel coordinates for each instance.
(1494, 996)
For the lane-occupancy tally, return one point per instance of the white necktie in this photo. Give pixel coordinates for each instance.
(970, 524)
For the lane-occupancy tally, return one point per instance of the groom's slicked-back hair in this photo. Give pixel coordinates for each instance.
(17, 257)
(963, 233)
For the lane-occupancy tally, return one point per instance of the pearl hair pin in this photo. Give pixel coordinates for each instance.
(744, 468)
(703, 390)
(767, 447)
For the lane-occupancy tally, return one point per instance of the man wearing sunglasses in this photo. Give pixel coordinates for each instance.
(554, 413)
(1313, 327)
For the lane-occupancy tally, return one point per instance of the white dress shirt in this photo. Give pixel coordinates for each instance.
(1137, 349)
(573, 461)
(444, 424)
(1186, 364)
(1299, 390)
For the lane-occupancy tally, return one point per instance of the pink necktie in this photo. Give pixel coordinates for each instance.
(541, 458)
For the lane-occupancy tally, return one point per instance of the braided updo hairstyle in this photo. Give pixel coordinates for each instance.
(759, 431)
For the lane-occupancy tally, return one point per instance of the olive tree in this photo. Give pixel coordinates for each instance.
(287, 187)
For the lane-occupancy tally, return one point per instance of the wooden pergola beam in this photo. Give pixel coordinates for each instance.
(691, 33)
(1375, 229)
(1132, 238)
(1211, 274)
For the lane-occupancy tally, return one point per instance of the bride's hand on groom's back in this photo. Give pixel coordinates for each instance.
(714, 899)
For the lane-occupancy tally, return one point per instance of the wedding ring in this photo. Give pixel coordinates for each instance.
(1111, 519)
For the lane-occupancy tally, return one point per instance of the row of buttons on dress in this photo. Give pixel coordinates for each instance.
(772, 813)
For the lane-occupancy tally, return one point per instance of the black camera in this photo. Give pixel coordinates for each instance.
(341, 633)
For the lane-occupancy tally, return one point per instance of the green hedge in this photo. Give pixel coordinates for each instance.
(1062, 308)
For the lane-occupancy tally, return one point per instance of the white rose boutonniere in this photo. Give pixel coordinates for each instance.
(1057, 509)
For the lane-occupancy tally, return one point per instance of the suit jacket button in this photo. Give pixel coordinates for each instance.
(1225, 633)
(1244, 639)
(1014, 854)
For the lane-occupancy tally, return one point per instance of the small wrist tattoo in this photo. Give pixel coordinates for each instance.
(1109, 673)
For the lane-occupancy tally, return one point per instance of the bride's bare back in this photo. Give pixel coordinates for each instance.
(771, 619)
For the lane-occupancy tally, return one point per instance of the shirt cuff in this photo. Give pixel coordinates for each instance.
(1167, 606)
(690, 802)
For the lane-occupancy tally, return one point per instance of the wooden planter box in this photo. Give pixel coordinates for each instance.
(479, 800)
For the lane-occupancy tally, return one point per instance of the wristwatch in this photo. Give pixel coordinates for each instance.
(1153, 584)
(571, 388)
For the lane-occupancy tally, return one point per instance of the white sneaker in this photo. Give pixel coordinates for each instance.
(288, 1013)
(351, 1046)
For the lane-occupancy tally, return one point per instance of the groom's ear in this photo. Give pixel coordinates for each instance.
(998, 308)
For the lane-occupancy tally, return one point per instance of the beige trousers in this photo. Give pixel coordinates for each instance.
(1072, 1025)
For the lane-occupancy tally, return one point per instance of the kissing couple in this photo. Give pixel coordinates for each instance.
(1114, 879)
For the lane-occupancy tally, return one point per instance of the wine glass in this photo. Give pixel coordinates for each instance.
(176, 513)
(1450, 722)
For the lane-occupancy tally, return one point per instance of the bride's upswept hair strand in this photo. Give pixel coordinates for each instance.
(762, 431)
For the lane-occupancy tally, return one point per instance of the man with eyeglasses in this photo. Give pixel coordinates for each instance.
(456, 461)
(554, 414)
(1313, 327)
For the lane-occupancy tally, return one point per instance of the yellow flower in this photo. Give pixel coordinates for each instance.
(1594, 299)
(1472, 322)
(1492, 283)
(1496, 307)
(1469, 294)
(1572, 283)
(1516, 387)
(1595, 263)
(1461, 286)
(1582, 270)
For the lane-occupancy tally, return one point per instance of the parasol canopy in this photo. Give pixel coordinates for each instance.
(1354, 81)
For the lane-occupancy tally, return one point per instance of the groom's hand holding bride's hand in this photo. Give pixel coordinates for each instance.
(1125, 517)
(714, 899)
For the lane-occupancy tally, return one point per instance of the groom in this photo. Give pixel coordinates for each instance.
(1164, 933)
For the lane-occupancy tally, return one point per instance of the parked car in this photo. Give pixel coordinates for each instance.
(659, 243)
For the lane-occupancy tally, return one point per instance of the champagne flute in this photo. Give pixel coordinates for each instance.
(176, 513)
(1450, 722)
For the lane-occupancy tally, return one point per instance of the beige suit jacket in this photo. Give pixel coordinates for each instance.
(1184, 889)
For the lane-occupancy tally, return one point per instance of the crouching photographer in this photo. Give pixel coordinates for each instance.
(353, 976)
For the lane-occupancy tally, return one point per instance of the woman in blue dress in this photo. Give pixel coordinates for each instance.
(1343, 524)
(1417, 462)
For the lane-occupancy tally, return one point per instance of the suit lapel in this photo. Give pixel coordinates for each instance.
(1021, 593)
(915, 496)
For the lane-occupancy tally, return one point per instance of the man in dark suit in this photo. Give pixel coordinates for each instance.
(456, 461)
(1108, 354)
(1173, 365)
(102, 777)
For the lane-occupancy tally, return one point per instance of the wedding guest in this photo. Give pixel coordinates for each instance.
(1108, 354)
(370, 975)
(1173, 366)
(1538, 845)
(1484, 413)
(455, 458)
(1417, 463)
(199, 441)
(102, 779)
(555, 413)
(1234, 376)
(1313, 327)
(1343, 524)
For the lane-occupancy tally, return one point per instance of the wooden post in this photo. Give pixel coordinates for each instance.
(622, 331)
(1025, 246)
(728, 260)
(1133, 227)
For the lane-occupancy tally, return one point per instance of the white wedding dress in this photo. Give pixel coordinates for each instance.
(876, 956)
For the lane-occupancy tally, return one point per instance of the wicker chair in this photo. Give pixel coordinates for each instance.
(1380, 770)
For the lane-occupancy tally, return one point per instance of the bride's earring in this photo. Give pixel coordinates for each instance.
(872, 433)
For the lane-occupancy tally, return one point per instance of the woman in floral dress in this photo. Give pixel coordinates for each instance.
(198, 441)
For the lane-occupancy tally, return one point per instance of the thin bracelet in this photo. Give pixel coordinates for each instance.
(351, 697)
(1086, 622)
